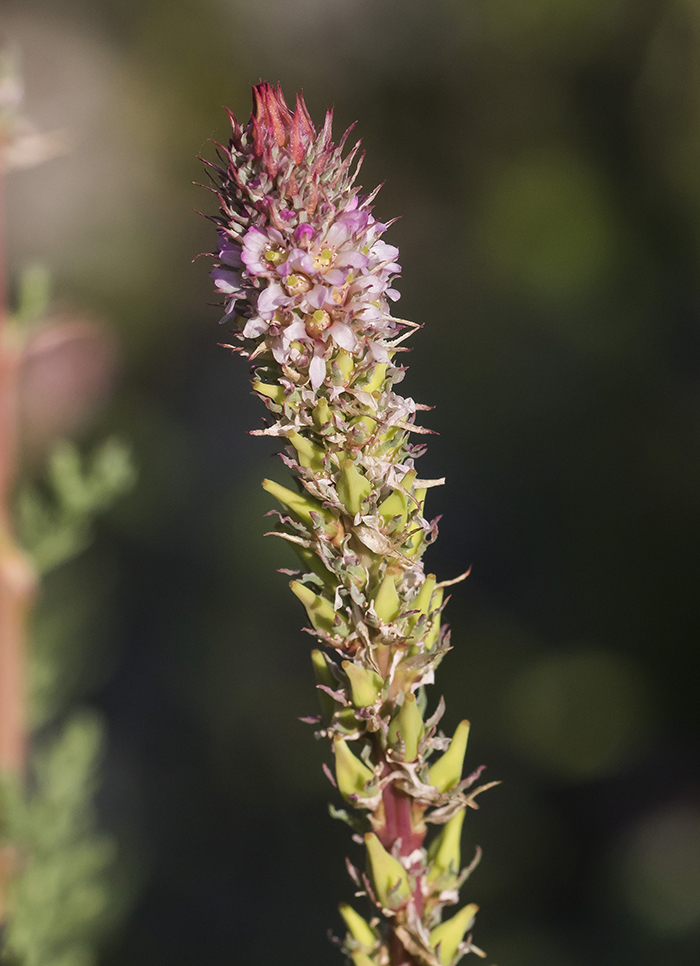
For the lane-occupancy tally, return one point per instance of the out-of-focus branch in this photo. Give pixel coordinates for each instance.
(52, 372)
(17, 578)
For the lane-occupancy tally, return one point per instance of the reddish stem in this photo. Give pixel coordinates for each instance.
(402, 826)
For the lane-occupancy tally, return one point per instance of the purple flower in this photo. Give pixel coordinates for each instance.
(229, 251)
(227, 281)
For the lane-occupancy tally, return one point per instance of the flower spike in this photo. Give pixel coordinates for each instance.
(307, 284)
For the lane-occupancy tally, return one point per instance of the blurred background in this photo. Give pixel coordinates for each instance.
(544, 157)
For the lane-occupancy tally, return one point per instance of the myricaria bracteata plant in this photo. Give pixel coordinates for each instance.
(306, 281)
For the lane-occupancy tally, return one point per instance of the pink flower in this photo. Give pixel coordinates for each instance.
(299, 244)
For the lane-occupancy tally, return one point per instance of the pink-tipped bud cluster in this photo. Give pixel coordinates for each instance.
(301, 262)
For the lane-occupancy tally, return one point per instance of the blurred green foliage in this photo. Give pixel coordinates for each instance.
(57, 527)
(59, 902)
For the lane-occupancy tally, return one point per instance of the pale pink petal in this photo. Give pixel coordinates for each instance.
(371, 314)
(336, 235)
(378, 352)
(297, 330)
(335, 277)
(317, 370)
(271, 298)
(318, 296)
(386, 253)
(280, 350)
(254, 328)
(351, 260)
(343, 335)
(297, 261)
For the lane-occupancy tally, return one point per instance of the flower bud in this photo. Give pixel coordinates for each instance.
(353, 488)
(321, 413)
(386, 601)
(300, 505)
(409, 725)
(432, 636)
(345, 363)
(388, 876)
(448, 935)
(359, 928)
(351, 774)
(422, 601)
(445, 854)
(275, 393)
(365, 684)
(378, 377)
(313, 563)
(323, 676)
(320, 610)
(310, 455)
(317, 323)
(398, 502)
(418, 538)
(359, 958)
(447, 770)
